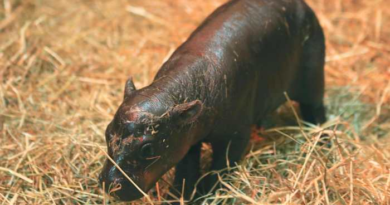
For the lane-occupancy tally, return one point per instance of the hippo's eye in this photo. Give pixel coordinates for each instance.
(147, 151)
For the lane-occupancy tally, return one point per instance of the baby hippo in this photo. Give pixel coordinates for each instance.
(231, 72)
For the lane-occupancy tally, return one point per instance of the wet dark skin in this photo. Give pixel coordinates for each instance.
(230, 73)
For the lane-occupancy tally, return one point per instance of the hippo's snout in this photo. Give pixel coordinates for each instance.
(118, 186)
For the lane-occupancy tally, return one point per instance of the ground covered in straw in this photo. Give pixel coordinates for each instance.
(63, 65)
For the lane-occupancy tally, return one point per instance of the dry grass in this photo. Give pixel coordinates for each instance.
(62, 69)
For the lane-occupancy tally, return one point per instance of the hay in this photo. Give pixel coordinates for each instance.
(63, 65)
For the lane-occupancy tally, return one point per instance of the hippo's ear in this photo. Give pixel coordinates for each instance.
(129, 87)
(187, 113)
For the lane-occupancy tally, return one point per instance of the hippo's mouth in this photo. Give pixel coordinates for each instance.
(124, 191)
(120, 187)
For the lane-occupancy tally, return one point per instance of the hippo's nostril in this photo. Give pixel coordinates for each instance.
(147, 151)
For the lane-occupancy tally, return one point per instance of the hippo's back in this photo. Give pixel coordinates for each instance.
(243, 57)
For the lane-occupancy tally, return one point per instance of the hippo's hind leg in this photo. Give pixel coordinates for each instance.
(311, 92)
(313, 113)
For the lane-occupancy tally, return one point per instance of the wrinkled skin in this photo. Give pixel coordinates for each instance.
(231, 72)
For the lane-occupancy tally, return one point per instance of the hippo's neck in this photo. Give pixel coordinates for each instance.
(185, 78)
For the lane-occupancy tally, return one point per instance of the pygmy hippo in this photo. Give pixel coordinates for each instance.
(228, 75)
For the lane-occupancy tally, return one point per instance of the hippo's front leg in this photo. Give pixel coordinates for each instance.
(187, 173)
(227, 151)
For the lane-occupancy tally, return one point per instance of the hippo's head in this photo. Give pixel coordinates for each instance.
(146, 138)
